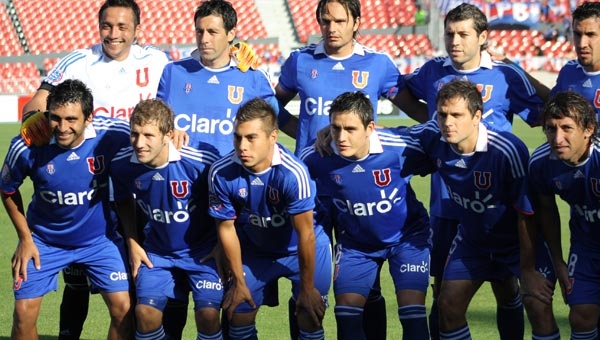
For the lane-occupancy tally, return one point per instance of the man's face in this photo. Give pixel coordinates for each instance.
(117, 32)
(337, 28)
(213, 41)
(586, 39)
(150, 145)
(253, 145)
(457, 125)
(568, 141)
(463, 44)
(350, 136)
(68, 124)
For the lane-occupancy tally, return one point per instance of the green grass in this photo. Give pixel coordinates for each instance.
(272, 322)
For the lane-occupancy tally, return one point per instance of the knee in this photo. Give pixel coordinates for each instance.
(540, 315)
(207, 320)
(582, 321)
(119, 305)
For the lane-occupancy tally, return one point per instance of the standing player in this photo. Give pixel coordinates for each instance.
(337, 64)
(505, 90)
(69, 215)
(485, 173)
(322, 71)
(120, 74)
(567, 165)
(384, 221)
(582, 75)
(206, 89)
(170, 187)
(263, 199)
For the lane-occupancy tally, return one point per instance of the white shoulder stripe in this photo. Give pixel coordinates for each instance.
(510, 151)
(300, 173)
(15, 152)
(216, 167)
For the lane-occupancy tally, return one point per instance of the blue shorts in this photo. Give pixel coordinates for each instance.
(356, 271)
(584, 275)
(102, 261)
(468, 262)
(443, 231)
(259, 270)
(168, 276)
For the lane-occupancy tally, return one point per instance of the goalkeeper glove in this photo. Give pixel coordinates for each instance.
(35, 128)
(244, 55)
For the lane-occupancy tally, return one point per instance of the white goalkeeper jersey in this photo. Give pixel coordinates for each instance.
(117, 86)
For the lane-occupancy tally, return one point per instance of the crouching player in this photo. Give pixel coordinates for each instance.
(263, 199)
(69, 217)
(485, 173)
(568, 165)
(170, 187)
(376, 217)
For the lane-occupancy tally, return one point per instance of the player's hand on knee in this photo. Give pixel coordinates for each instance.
(535, 285)
(235, 295)
(311, 302)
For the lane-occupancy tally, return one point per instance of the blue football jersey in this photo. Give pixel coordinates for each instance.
(261, 204)
(487, 187)
(372, 203)
(319, 78)
(173, 197)
(505, 90)
(69, 206)
(572, 77)
(205, 100)
(576, 185)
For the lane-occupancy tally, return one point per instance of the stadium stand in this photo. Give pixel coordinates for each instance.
(10, 42)
(168, 23)
(19, 77)
(164, 22)
(376, 14)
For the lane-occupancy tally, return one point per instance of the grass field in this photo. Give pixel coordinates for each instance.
(272, 322)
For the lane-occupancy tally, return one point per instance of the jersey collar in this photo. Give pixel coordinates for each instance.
(358, 49)
(196, 56)
(174, 155)
(485, 62)
(482, 139)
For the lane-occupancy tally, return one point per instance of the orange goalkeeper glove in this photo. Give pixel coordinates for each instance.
(244, 55)
(35, 128)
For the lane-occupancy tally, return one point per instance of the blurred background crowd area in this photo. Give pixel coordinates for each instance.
(37, 33)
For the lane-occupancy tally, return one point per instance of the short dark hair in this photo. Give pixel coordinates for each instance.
(71, 91)
(356, 102)
(586, 10)
(351, 6)
(570, 104)
(464, 89)
(466, 11)
(121, 3)
(257, 108)
(221, 8)
(150, 110)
